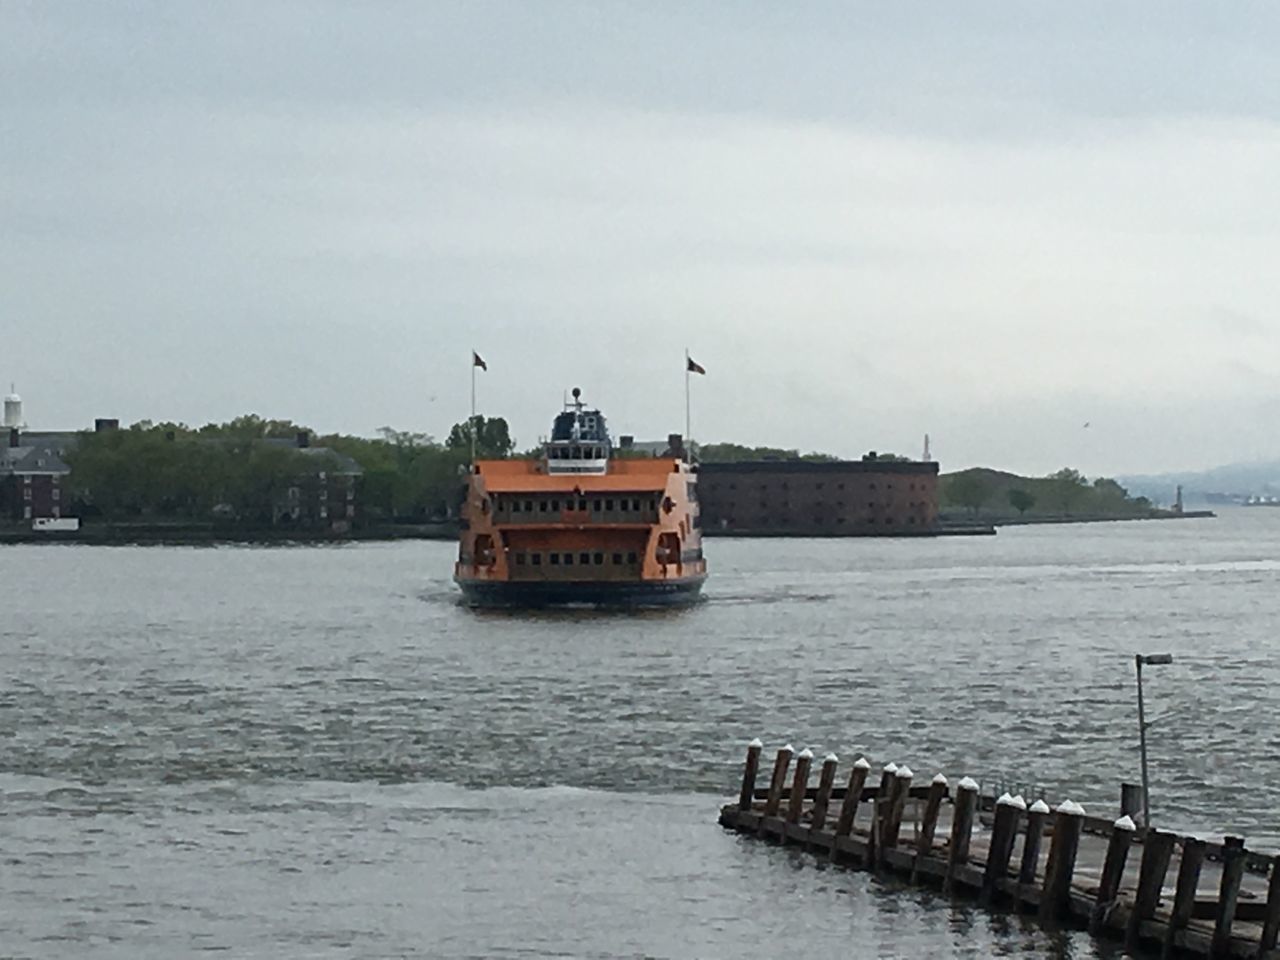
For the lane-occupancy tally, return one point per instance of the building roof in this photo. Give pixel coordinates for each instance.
(906, 467)
(31, 459)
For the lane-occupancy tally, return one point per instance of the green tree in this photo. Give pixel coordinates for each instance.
(968, 489)
(1021, 500)
(1068, 486)
(493, 437)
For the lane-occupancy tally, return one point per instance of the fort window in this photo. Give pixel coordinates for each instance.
(598, 559)
(631, 557)
(584, 558)
(520, 559)
(617, 559)
(555, 559)
(568, 559)
(872, 486)
(536, 558)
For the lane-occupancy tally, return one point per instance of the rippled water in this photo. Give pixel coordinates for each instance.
(317, 752)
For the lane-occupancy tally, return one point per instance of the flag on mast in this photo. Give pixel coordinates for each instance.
(694, 366)
(478, 361)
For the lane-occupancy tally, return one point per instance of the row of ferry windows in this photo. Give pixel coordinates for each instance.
(567, 559)
(577, 453)
(608, 504)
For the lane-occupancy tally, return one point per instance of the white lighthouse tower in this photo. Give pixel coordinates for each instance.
(13, 409)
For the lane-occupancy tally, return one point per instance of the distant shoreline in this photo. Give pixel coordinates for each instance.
(177, 535)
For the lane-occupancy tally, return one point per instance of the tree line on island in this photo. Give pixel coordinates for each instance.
(240, 469)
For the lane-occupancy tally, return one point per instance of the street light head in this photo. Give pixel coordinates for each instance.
(1156, 659)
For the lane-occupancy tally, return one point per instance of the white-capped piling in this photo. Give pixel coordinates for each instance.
(799, 785)
(852, 798)
(963, 804)
(1112, 872)
(1004, 831)
(826, 781)
(1157, 849)
(929, 822)
(778, 781)
(1068, 821)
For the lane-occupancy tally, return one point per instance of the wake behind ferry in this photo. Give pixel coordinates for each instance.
(581, 524)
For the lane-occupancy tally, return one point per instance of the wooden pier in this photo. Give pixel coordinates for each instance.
(1173, 895)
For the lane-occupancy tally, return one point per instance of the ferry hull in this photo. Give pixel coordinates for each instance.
(524, 593)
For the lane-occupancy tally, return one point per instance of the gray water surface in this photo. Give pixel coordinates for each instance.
(315, 751)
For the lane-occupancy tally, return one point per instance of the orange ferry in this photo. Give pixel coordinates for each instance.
(579, 525)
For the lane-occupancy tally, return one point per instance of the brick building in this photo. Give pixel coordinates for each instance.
(32, 479)
(323, 497)
(819, 499)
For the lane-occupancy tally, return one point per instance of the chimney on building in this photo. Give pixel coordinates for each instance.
(15, 437)
(675, 445)
(103, 424)
(304, 439)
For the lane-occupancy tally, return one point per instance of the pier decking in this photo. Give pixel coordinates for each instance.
(1108, 875)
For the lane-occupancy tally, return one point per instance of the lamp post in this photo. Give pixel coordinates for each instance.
(1150, 660)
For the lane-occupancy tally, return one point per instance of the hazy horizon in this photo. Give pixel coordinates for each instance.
(993, 224)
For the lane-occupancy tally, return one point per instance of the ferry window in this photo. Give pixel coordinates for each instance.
(617, 559)
(582, 504)
(542, 506)
(595, 505)
(631, 557)
(515, 506)
(635, 505)
(608, 504)
(555, 559)
(584, 558)
(568, 559)
(537, 559)
(653, 504)
(555, 506)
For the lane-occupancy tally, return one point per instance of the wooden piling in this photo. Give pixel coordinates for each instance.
(963, 804)
(1004, 831)
(749, 770)
(799, 785)
(929, 824)
(1036, 817)
(852, 797)
(1271, 918)
(897, 805)
(1157, 849)
(1112, 872)
(779, 780)
(826, 780)
(1233, 861)
(1184, 898)
(1131, 802)
(1068, 820)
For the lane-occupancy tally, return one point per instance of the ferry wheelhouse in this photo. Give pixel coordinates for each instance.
(580, 524)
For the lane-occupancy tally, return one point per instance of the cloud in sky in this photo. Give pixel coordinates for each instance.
(866, 223)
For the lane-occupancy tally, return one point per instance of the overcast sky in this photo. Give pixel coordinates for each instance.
(990, 222)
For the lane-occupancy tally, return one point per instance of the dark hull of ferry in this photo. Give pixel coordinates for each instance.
(525, 593)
